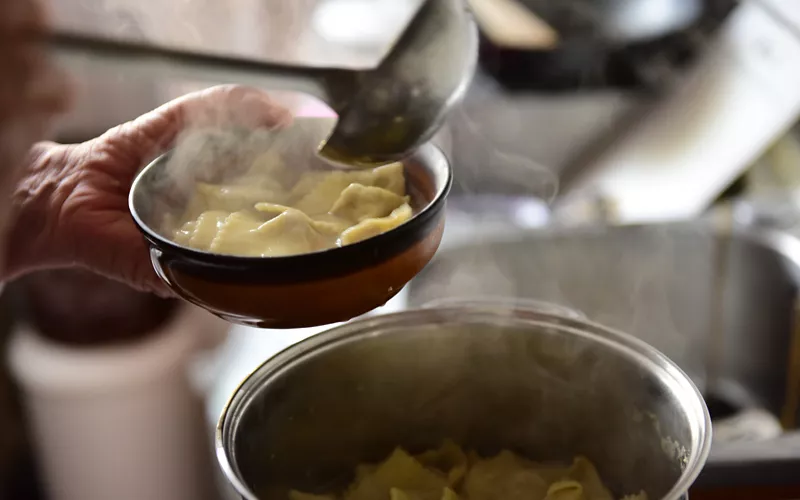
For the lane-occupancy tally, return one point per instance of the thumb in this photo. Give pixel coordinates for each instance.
(146, 137)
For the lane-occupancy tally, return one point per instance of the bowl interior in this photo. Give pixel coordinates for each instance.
(163, 189)
(548, 390)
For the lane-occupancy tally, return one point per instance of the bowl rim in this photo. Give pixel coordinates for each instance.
(306, 266)
(629, 346)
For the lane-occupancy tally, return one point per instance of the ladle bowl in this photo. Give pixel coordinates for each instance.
(387, 112)
(299, 290)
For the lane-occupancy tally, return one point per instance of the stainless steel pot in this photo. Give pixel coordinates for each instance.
(545, 384)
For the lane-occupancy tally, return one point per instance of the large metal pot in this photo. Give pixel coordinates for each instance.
(544, 383)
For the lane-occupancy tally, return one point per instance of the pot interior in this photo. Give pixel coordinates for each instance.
(545, 389)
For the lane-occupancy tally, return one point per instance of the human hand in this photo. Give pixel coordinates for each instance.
(71, 207)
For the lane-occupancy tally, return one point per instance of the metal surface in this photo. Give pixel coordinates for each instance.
(719, 300)
(384, 113)
(639, 20)
(323, 33)
(489, 377)
(615, 22)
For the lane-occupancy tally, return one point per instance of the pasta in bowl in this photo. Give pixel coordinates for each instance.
(256, 229)
(322, 209)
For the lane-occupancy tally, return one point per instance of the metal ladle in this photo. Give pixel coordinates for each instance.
(385, 113)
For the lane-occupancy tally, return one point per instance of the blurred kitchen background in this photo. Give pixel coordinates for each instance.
(638, 160)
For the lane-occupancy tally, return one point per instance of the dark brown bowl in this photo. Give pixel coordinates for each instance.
(300, 290)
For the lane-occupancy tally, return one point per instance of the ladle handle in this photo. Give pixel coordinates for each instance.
(161, 63)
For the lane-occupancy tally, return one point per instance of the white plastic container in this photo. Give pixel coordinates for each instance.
(741, 96)
(120, 423)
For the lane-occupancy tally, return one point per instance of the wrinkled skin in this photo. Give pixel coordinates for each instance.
(68, 203)
(72, 202)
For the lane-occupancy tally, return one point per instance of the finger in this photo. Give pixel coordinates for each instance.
(148, 281)
(231, 105)
(142, 275)
(125, 256)
(24, 18)
(223, 107)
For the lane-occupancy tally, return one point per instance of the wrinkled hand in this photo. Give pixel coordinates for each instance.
(71, 207)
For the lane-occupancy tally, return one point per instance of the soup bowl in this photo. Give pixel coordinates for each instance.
(302, 290)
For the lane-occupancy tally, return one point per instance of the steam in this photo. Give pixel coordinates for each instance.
(221, 155)
(653, 283)
(215, 155)
(633, 280)
(525, 174)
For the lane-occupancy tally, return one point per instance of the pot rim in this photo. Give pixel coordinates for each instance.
(636, 350)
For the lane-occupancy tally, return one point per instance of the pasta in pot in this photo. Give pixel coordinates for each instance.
(268, 212)
(448, 473)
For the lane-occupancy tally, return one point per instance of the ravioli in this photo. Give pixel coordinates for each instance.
(299, 495)
(504, 477)
(289, 233)
(565, 490)
(447, 473)
(369, 228)
(272, 211)
(402, 472)
(358, 203)
(201, 232)
(317, 191)
(448, 458)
